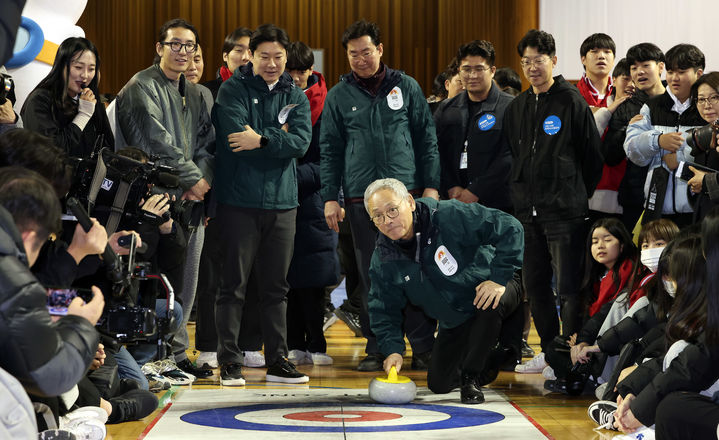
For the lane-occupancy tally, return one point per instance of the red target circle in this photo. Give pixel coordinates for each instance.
(354, 416)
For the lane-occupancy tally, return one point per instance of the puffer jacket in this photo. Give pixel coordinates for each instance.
(47, 358)
(169, 122)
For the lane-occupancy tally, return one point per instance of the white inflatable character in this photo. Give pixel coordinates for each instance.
(45, 25)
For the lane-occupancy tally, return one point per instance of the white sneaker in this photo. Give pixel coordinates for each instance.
(253, 359)
(321, 359)
(535, 365)
(299, 357)
(87, 423)
(85, 412)
(207, 360)
(168, 369)
(548, 373)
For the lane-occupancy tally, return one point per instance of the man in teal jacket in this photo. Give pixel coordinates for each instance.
(456, 262)
(376, 123)
(263, 125)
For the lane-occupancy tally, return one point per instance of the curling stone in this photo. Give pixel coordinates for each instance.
(392, 389)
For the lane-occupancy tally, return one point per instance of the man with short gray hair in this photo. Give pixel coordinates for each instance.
(456, 262)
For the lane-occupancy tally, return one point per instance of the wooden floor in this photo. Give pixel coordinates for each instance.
(563, 417)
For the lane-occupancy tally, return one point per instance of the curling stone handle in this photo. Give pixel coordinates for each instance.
(392, 376)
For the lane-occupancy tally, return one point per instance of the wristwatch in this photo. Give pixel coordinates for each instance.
(264, 141)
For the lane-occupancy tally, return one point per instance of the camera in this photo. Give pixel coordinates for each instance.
(110, 184)
(704, 138)
(7, 88)
(128, 323)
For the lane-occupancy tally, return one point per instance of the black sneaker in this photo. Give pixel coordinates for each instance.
(470, 393)
(231, 375)
(373, 362)
(351, 319)
(527, 351)
(420, 361)
(133, 405)
(187, 367)
(602, 412)
(285, 372)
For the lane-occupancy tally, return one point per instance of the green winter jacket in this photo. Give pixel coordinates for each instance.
(365, 138)
(476, 244)
(266, 177)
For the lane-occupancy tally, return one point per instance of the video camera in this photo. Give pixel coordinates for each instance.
(112, 187)
(704, 138)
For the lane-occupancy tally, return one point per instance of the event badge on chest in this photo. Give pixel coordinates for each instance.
(394, 99)
(445, 261)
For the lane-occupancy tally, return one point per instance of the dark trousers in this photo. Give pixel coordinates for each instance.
(554, 248)
(208, 286)
(682, 415)
(305, 316)
(346, 252)
(466, 348)
(418, 327)
(258, 242)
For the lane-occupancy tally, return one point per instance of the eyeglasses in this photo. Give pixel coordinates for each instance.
(176, 46)
(391, 213)
(713, 100)
(468, 70)
(537, 62)
(364, 55)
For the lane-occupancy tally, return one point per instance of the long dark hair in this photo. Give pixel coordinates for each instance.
(57, 80)
(687, 267)
(710, 246)
(656, 293)
(593, 270)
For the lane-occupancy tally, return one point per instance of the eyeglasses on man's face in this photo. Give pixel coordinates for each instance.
(391, 213)
(468, 70)
(365, 55)
(536, 62)
(176, 46)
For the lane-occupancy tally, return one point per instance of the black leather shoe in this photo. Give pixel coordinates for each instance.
(470, 392)
(420, 361)
(187, 367)
(373, 362)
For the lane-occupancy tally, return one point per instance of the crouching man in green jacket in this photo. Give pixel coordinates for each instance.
(456, 261)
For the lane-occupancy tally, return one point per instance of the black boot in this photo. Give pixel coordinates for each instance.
(471, 392)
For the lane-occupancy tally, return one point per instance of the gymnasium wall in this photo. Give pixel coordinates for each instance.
(419, 36)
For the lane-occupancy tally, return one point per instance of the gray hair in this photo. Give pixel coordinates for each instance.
(393, 185)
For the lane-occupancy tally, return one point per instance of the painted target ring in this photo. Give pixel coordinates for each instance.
(232, 417)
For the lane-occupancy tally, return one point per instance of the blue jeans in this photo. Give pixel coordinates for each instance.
(127, 368)
(554, 248)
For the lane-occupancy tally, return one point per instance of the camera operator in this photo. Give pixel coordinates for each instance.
(705, 186)
(48, 359)
(8, 118)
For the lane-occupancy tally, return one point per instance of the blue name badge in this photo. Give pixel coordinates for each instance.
(486, 122)
(552, 125)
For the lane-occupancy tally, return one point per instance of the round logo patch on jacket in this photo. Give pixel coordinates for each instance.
(394, 98)
(445, 261)
(552, 125)
(486, 122)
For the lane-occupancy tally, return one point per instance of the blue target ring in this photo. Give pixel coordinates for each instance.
(459, 417)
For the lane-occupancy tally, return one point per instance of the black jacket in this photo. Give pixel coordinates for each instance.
(489, 159)
(555, 145)
(631, 189)
(628, 329)
(47, 358)
(41, 115)
(693, 370)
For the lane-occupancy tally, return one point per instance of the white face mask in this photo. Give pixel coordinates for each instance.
(650, 257)
(671, 287)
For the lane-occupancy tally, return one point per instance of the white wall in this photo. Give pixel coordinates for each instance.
(662, 22)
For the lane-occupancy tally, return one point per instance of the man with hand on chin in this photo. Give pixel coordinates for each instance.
(263, 125)
(455, 261)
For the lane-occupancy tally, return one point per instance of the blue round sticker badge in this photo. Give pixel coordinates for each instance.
(552, 125)
(486, 122)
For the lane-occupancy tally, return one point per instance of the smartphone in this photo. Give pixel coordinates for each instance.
(59, 299)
